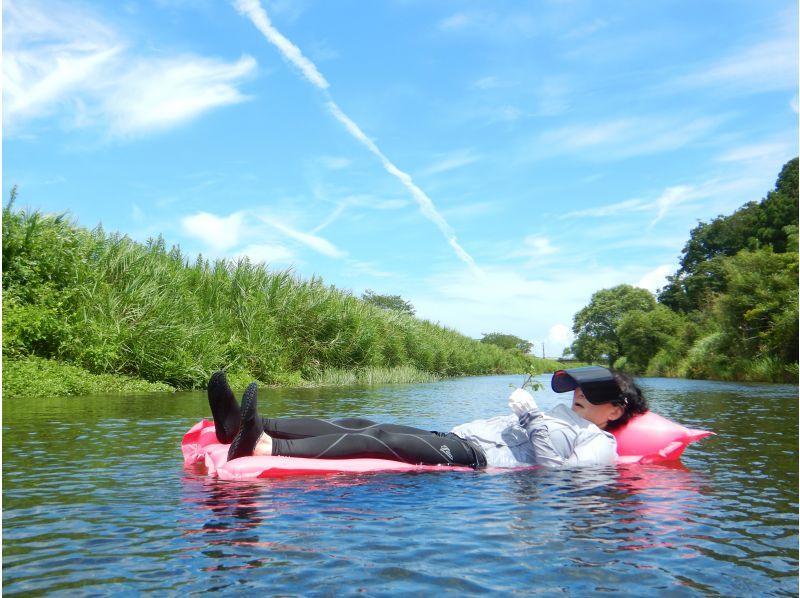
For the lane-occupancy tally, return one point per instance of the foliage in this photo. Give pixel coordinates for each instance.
(596, 326)
(36, 377)
(770, 223)
(373, 375)
(393, 302)
(507, 341)
(642, 334)
(731, 310)
(758, 313)
(110, 305)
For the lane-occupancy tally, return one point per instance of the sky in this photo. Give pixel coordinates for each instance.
(494, 163)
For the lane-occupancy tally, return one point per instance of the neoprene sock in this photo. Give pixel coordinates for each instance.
(250, 426)
(224, 407)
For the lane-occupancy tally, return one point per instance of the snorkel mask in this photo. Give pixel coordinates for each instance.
(597, 383)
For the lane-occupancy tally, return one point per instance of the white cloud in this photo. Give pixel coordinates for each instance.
(355, 269)
(626, 206)
(157, 94)
(534, 246)
(266, 253)
(657, 278)
(668, 200)
(222, 234)
(673, 196)
(508, 301)
(793, 104)
(315, 242)
(757, 151)
(560, 334)
(457, 160)
(60, 59)
(766, 66)
(334, 162)
(623, 137)
(219, 233)
(456, 21)
(501, 25)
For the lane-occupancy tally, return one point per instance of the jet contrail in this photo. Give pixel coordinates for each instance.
(256, 13)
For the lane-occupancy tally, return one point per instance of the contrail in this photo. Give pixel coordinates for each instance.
(256, 13)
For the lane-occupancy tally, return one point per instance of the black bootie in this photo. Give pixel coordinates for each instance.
(250, 426)
(224, 407)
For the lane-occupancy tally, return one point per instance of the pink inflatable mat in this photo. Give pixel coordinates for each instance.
(648, 438)
(200, 445)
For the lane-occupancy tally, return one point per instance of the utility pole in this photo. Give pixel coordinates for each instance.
(543, 357)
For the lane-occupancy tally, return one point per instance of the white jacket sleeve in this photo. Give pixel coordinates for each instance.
(558, 443)
(594, 447)
(552, 444)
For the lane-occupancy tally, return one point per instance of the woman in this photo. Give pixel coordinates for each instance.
(576, 435)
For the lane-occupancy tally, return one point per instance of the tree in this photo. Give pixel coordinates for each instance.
(772, 223)
(596, 325)
(642, 334)
(758, 315)
(507, 341)
(390, 302)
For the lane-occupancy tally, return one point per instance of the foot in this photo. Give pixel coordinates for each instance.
(263, 446)
(250, 427)
(224, 407)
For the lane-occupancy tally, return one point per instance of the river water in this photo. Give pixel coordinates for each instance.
(96, 501)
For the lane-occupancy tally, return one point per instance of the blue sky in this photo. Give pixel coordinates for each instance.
(494, 163)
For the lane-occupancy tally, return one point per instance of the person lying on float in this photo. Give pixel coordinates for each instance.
(579, 434)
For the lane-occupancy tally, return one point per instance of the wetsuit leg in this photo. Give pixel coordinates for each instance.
(382, 442)
(307, 427)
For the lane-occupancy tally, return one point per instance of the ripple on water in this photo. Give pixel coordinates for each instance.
(95, 500)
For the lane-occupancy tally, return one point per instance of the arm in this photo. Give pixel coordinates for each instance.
(556, 442)
(552, 447)
(594, 447)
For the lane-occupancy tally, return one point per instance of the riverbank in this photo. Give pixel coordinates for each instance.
(111, 306)
(33, 377)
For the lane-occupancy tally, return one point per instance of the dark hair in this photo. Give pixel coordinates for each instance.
(633, 401)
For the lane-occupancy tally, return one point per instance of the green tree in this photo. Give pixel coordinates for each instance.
(596, 326)
(507, 341)
(772, 223)
(758, 315)
(643, 334)
(390, 302)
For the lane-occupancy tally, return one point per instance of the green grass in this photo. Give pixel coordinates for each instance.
(373, 376)
(35, 377)
(109, 305)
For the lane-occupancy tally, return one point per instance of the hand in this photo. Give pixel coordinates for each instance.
(521, 402)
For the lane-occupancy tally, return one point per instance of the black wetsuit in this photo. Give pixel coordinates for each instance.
(355, 437)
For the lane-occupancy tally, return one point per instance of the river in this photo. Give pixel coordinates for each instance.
(96, 501)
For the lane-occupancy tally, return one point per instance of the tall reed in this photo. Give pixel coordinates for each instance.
(112, 305)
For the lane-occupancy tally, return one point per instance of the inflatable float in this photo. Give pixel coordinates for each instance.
(648, 438)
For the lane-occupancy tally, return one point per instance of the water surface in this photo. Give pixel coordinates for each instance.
(96, 501)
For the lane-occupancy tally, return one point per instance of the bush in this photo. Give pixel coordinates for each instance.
(110, 305)
(35, 377)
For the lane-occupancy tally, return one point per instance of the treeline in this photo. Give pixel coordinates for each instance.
(730, 312)
(111, 305)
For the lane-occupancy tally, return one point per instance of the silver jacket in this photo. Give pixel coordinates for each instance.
(557, 439)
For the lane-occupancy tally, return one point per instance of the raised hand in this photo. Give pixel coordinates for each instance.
(521, 402)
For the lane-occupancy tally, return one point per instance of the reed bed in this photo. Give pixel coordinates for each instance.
(114, 306)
